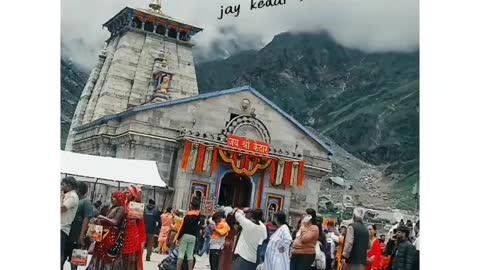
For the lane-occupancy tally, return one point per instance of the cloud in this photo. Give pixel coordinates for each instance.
(369, 25)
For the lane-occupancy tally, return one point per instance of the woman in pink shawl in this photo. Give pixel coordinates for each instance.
(167, 221)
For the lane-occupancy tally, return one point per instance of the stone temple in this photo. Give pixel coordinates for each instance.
(232, 147)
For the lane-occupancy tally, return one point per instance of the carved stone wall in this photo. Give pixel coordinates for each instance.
(157, 134)
(126, 79)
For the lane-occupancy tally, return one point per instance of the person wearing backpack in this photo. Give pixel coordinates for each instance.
(187, 235)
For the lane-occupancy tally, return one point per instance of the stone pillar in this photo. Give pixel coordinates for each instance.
(178, 35)
(143, 24)
(155, 28)
(131, 152)
(166, 29)
(180, 188)
(84, 98)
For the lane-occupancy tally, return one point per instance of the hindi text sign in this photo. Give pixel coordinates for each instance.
(248, 145)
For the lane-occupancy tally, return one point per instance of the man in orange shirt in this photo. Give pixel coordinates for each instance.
(218, 239)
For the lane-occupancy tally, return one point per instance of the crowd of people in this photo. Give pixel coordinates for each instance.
(122, 239)
(233, 239)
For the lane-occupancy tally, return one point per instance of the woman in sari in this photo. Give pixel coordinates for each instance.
(226, 258)
(167, 220)
(136, 236)
(277, 256)
(374, 255)
(106, 255)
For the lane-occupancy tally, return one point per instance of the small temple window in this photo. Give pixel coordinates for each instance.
(183, 36)
(172, 33)
(136, 23)
(148, 27)
(161, 29)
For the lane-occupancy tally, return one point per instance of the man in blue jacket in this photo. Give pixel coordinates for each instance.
(151, 217)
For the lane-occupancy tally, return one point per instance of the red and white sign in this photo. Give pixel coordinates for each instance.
(248, 145)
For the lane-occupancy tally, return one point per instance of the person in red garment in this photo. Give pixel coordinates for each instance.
(374, 255)
(106, 255)
(136, 236)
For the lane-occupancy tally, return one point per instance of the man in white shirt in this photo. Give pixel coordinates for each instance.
(68, 209)
(253, 233)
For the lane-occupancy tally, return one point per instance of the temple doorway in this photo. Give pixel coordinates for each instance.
(235, 190)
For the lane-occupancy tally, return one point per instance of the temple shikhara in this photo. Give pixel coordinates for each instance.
(232, 147)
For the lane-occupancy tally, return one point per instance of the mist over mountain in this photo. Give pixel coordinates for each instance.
(369, 25)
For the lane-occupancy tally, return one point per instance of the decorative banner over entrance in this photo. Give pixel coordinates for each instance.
(244, 163)
(245, 144)
(201, 158)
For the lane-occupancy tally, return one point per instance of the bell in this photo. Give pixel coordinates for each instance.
(155, 5)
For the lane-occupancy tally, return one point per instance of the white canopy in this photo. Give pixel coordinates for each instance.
(141, 172)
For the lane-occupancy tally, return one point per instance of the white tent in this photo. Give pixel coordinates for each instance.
(105, 169)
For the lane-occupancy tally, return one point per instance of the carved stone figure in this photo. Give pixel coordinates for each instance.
(165, 84)
(245, 104)
(161, 92)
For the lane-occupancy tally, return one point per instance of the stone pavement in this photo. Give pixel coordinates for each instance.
(202, 263)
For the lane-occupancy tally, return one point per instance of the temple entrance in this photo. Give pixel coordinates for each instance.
(235, 190)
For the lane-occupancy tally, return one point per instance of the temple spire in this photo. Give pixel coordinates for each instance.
(156, 6)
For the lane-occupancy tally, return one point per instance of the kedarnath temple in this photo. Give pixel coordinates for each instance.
(232, 147)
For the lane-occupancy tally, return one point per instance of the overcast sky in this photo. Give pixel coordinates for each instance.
(369, 25)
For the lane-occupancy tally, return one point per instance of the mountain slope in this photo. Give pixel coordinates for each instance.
(73, 80)
(366, 102)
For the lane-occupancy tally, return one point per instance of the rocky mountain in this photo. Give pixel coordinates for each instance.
(73, 79)
(365, 103)
(368, 103)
